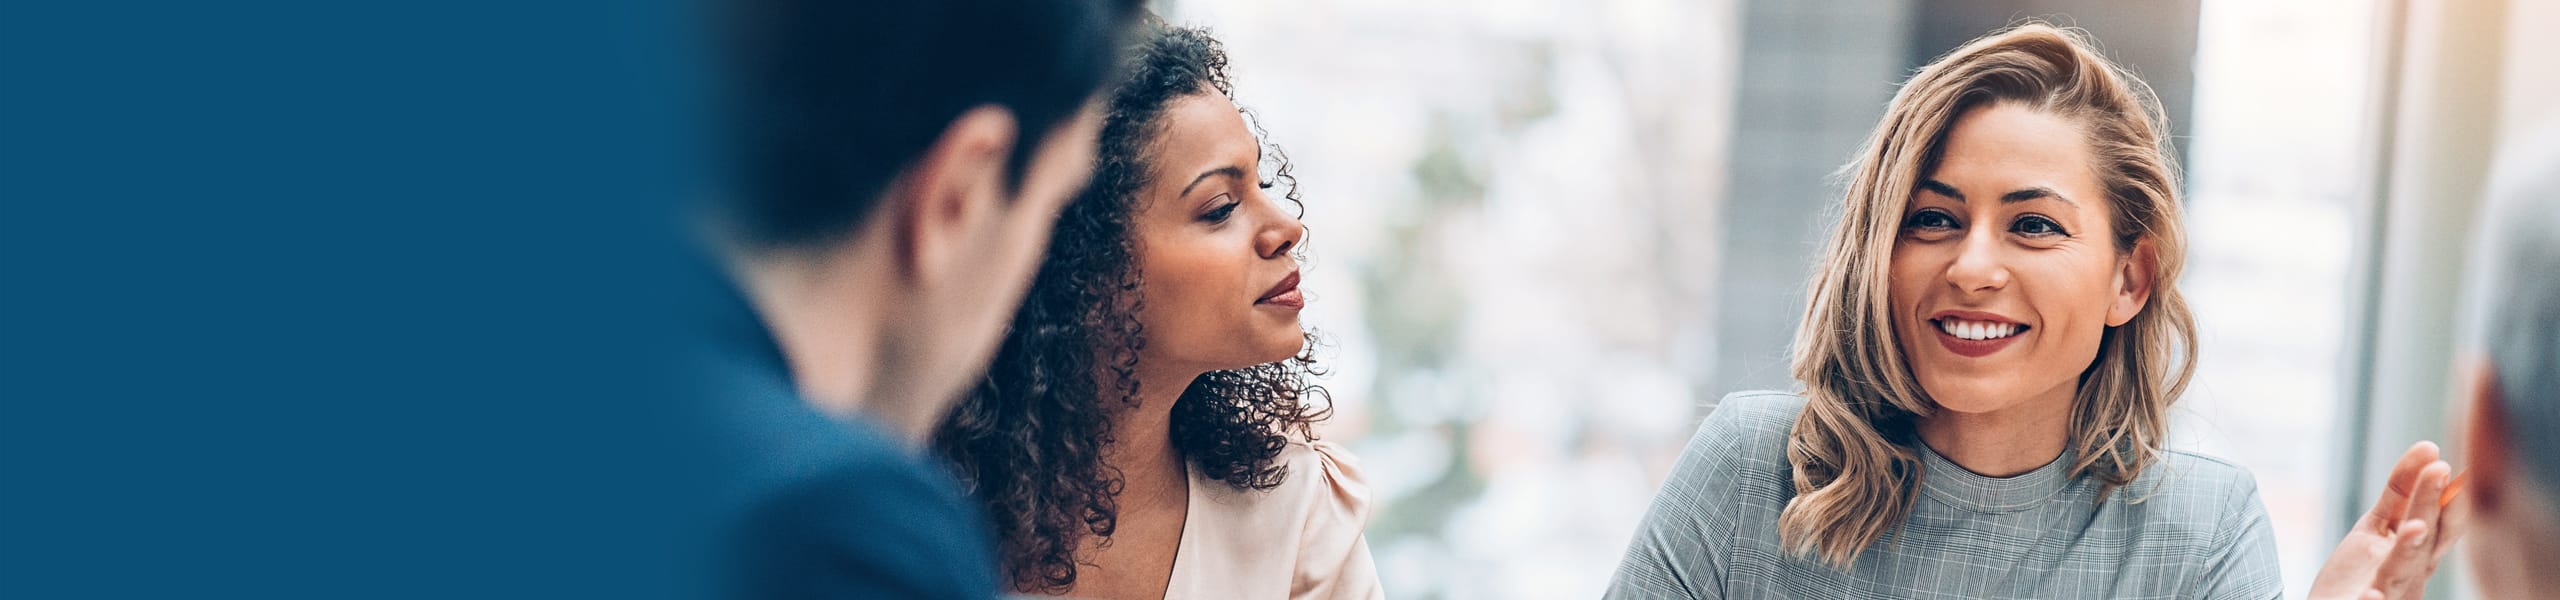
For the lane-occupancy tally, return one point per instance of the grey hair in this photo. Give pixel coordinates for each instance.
(2516, 300)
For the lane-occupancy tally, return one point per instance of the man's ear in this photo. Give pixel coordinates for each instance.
(957, 183)
(2488, 445)
(2133, 284)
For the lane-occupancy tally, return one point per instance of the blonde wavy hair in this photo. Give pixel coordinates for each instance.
(1854, 453)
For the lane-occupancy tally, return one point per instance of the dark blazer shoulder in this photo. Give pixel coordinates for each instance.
(813, 506)
(854, 514)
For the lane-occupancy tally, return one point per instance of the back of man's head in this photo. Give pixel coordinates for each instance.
(2513, 396)
(2519, 308)
(828, 101)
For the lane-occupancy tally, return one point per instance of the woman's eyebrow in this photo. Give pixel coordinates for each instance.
(2034, 193)
(1942, 189)
(1230, 171)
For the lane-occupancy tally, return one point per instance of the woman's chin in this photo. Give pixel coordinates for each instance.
(1280, 346)
(1964, 407)
(1968, 397)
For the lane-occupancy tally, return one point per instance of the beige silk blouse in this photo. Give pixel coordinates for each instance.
(1298, 541)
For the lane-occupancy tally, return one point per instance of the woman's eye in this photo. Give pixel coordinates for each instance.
(2032, 225)
(1267, 184)
(1930, 219)
(1220, 214)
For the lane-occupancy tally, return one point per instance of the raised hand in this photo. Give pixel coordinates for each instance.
(2394, 548)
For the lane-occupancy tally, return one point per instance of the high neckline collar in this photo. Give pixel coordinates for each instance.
(1952, 484)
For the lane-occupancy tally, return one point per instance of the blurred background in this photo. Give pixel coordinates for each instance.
(1549, 234)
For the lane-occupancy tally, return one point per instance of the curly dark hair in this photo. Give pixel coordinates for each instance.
(1028, 441)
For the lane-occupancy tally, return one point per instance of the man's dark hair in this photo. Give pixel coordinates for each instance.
(828, 100)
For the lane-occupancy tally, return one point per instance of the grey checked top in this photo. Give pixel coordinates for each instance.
(2189, 527)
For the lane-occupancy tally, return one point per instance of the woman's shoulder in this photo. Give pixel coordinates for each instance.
(2204, 515)
(1724, 494)
(1330, 475)
(1739, 453)
(1303, 534)
(1760, 408)
(1751, 426)
(2192, 495)
(2194, 479)
(1333, 549)
(1320, 455)
(1321, 488)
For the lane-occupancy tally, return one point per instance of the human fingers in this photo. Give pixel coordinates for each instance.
(2396, 491)
(2456, 519)
(2404, 572)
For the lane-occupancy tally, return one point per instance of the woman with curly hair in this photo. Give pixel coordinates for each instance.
(1146, 430)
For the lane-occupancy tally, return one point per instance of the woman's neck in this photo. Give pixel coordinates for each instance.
(2003, 443)
(1142, 440)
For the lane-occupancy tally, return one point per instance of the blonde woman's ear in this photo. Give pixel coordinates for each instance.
(2133, 284)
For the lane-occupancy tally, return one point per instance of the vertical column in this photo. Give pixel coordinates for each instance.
(1815, 78)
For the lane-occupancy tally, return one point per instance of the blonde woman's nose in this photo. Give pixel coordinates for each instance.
(1978, 265)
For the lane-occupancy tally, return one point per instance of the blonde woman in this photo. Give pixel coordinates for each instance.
(1992, 343)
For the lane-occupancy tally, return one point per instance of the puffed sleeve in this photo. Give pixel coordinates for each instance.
(1333, 555)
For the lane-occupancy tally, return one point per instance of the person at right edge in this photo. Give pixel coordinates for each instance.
(2512, 400)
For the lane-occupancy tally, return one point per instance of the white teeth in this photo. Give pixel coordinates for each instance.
(1977, 330)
